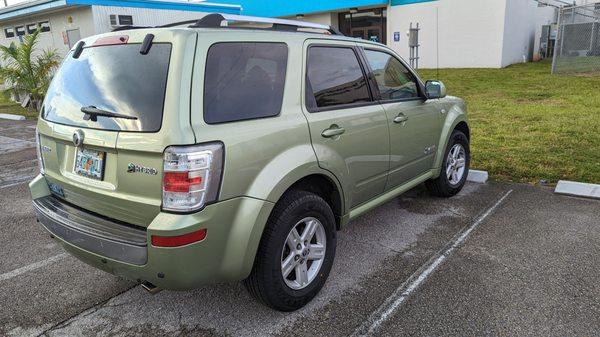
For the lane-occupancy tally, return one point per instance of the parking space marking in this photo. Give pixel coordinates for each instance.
(30, 267)
(399, 296)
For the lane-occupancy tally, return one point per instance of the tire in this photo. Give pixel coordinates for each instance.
(266, 281)
(443, 185)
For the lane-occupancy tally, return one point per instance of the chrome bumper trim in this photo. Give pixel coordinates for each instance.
(91, 232)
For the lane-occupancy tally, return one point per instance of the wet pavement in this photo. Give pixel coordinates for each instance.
(528, 266)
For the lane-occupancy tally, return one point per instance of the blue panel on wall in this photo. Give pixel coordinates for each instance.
(273, 8)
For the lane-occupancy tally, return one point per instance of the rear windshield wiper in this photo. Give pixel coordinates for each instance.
(92, 113)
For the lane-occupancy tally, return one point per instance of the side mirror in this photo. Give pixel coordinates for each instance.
(435, 89)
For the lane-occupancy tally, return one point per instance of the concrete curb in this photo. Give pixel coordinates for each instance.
(12, 117)
(477, 176)
(578, 189)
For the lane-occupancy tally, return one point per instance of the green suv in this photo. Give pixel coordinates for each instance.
(201, 152)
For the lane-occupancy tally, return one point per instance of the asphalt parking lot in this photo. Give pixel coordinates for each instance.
(498, 259)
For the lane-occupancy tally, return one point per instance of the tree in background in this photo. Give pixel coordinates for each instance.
(24, 71)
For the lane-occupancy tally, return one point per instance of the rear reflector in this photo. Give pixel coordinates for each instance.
(179, 240)
(111, 40)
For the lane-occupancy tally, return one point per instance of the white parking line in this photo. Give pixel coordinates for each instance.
(392, 303)
(30, 267)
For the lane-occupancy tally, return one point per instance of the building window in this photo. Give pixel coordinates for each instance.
(9, 32)
(367, 24)
(44, 26)
(31, 28)
(20, 30)
(113, 20)
(125, 20)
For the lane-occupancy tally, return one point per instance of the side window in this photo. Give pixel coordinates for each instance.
(31, 28)
(9, 32)
(244, 80)
(393, 78)
(20, 30)
(334, 77)
(45, 26)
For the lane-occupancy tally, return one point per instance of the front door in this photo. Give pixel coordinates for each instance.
(414, 121)
(348, 128)
(73, 36)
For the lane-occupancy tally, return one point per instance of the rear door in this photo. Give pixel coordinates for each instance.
(113, 165)
(348, 128)
(414, 121)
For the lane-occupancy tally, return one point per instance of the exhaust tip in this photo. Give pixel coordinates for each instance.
(151, 288)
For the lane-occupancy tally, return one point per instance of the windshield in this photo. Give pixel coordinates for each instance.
(114, 78)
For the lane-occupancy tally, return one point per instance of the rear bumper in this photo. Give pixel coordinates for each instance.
(95, 234)
(234, 228)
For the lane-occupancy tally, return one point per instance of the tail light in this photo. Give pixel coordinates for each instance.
(191, 176)
(38, 148)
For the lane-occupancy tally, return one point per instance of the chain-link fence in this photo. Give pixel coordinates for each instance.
(577, 48)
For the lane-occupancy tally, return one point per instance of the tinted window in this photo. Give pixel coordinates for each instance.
(244, 81)
(9, 32)
(393, 78)
(115, 78)
(126, 20)
(31, 28)
(20, 30)
(334, 77)
(45, 26)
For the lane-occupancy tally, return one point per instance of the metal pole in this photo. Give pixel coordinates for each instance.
(417, 48)
(558, 36)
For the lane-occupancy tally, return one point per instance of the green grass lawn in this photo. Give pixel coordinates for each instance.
(9, 107)
(527, 124)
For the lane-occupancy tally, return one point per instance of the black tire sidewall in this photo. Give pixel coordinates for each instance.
(307, 205)
(456, 137)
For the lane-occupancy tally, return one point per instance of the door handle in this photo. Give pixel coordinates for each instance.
(401, 118)
(333, 131)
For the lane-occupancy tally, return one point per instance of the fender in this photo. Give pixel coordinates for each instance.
(275, 179)
(456, 114)
(284, 170)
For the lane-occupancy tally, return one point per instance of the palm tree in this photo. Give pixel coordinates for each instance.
(26, 71)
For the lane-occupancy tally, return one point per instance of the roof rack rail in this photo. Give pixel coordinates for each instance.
(128, 28)
(215, 20)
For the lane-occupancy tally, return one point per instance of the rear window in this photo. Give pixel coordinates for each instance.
(244, 80)
(114, 78)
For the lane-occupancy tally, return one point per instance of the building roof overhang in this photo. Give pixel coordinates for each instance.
(43, 6)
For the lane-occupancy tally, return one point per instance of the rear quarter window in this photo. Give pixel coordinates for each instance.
(244, 80)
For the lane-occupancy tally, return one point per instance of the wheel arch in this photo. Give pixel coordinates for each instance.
(455, 120)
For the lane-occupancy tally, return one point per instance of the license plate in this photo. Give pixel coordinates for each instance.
(90, 163)
(56, 189)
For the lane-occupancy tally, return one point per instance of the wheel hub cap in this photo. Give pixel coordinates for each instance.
(456, 164)
(303, 253)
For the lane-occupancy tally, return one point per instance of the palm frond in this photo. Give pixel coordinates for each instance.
(25, 69)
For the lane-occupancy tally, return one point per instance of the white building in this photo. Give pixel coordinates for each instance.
(453, 33)
(64, 22)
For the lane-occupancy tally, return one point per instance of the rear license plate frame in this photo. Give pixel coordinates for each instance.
(91, 171)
